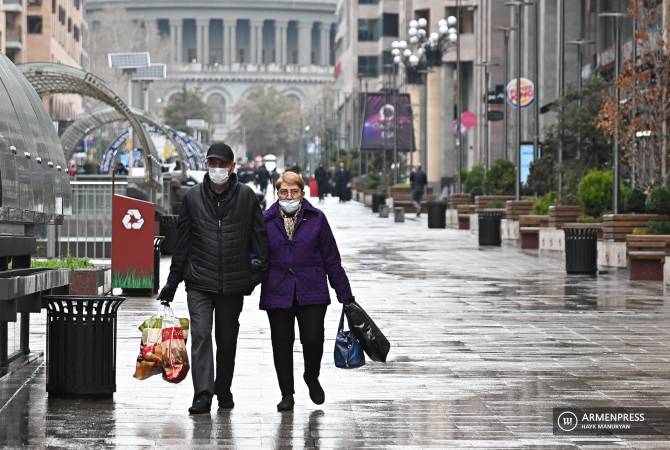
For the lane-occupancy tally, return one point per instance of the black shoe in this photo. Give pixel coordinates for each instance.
(286, 403)
(315, 391)
(418, 214)
(226, 401)
(200, 407)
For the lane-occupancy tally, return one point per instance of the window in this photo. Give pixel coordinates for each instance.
(76, 4)
(34, 2)
(368, 30)
(61, 15)
(368, 2)
(368, 66)
(34, 24)
(53, 6)
(76, 33)
(390, 25)
(467, 22)
(217, 106)
(69, 25)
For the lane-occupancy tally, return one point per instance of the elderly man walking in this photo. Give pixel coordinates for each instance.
(221, 255)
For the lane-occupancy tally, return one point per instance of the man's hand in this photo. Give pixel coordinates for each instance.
(166, 294)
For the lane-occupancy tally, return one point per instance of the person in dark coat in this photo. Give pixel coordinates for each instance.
(302, 254)
(418, 182)
(221, 255)
(294, 167)
(262, 177)
(342, 180)
(322, 181)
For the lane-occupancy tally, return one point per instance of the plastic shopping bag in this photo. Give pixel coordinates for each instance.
(175, 356)
(150, 359)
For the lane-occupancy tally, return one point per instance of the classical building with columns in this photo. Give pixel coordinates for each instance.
(226, 47)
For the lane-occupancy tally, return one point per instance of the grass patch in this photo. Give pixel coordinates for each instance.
(131, 280)
(64, 263)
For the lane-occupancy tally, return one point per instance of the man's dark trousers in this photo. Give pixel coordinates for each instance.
(226, 310)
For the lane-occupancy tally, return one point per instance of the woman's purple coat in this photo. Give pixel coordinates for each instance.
(299, 267)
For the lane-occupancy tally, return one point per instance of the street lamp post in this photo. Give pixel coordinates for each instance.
(579, 43)
(427, 52)
(618, 17)
(487, 74)
(506, 31)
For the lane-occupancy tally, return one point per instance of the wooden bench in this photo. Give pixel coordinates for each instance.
(402, 198)
(458, 199)
(517, 208)
(561, 214)
(646, 256)
(464, 212)
(482, 201)
(529, 230)
(617, 226)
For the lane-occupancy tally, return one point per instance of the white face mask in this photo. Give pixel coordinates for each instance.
(218, 175)
(289, 206)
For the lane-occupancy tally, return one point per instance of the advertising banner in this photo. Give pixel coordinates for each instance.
(133, 227)
(380, 121)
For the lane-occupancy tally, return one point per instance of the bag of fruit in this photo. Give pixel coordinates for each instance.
(173, 342)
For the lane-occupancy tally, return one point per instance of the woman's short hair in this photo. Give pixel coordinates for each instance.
(289, 177)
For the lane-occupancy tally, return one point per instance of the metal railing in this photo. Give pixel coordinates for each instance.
(88, 231)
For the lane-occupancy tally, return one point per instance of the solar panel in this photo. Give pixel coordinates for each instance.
(128, 60)
(153, 72)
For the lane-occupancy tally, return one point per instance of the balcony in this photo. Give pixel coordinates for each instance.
(247, 70)
(14, 38)
(15, 6)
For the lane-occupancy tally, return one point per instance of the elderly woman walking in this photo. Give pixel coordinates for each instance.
(302, 253)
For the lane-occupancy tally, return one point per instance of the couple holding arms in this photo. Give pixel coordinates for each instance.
(226, 247)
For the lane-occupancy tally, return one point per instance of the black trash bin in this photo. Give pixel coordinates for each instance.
(437, 214)
(168, 229)
(581, 251)
(81, 345)
(489, 226)
(378, 198)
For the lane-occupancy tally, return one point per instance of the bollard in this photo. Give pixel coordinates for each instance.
(399, 214)
(383, 211)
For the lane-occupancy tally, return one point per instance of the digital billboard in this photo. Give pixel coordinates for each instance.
(380, 122)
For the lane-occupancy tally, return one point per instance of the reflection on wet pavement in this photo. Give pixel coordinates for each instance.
(484, 344)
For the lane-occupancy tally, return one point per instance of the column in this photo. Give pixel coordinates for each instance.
(173, 41)
(180, 41)
(433, 167)
(304, 43)
(201, 31)
(229, 42)
(325, 43)
(281, 29)
(255, 43)
(449, 148)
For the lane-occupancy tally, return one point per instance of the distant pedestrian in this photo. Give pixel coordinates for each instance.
(302, 253)
(274, 176)
(342, 183)
(120, 169)
(262, 178)
(221, 255)
(418, 182)
(322, 181)
(295, 168)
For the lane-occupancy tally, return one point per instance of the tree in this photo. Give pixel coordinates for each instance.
(645, 97)
(500, 178)
(183, 106)
(267, 122)
(585, 145)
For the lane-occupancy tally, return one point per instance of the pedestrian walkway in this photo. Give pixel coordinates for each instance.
(485, 342)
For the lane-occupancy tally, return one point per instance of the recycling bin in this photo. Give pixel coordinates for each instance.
(81, 345)
(489, 226)
(581, 250)
(437, 214)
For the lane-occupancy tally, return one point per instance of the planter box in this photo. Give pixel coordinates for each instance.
(482, 201)
(474, 223)
(617, 226)
(509, 229)
(561, 214)
(458, 199)
(646, 256)
(529, 230)
(464, 212)
(551, 239)
(516, 208)
(402, 198)
(94, 281)
(452, 218)
(612, 254)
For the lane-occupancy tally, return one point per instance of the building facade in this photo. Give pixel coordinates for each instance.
(2, 27)
(46, 31)
(226, 48)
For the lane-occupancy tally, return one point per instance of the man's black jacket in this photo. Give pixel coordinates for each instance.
(222, 244)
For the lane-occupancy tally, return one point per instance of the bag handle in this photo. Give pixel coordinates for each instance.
(341, 325)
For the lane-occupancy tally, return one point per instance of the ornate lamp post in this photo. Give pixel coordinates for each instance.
(418, 56)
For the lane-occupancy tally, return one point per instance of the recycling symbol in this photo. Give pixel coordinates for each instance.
(133, 220)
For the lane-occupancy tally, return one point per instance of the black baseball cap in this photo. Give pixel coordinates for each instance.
(221, 151)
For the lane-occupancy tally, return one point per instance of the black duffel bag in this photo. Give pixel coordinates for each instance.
(367, 332)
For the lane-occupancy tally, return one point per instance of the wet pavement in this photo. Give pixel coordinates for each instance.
(485, 342)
